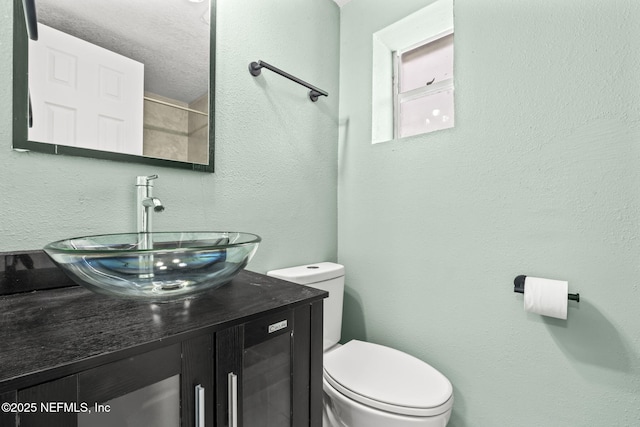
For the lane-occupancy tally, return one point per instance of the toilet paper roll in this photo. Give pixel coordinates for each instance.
(547, 297)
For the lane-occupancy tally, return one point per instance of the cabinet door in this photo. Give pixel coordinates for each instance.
(171, 386)
(143, 390)
(265, 370)
(254, 376)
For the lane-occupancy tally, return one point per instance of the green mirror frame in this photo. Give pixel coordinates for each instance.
(21, 105)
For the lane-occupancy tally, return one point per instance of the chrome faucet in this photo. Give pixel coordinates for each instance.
(146, 202)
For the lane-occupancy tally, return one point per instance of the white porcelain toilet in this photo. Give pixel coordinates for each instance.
(365, 384)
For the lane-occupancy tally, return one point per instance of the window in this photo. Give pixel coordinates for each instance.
(423, 87)
(412, 81)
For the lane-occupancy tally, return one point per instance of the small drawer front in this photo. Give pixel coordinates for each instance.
(268, 327)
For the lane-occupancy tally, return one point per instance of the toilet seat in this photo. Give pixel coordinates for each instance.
(387, 379)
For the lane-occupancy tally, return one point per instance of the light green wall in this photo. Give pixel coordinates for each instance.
(275, 150)
(540, 176)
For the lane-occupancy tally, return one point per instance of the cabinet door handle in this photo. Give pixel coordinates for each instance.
(233, 400)
(200, 403)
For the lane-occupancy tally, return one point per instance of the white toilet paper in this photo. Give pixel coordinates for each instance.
(546, 297)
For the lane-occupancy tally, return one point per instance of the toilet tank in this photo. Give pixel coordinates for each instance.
(329, 277)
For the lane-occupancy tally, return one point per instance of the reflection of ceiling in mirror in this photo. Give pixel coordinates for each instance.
(170, 37)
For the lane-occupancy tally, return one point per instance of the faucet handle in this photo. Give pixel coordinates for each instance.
(145, 180)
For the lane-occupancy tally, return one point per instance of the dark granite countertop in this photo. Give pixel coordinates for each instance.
(51, 333)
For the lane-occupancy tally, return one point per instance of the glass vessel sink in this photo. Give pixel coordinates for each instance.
(154, 266)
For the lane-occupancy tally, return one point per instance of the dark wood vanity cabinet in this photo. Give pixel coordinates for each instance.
(248, 354)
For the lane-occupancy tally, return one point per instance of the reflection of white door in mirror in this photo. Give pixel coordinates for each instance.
(83, 95)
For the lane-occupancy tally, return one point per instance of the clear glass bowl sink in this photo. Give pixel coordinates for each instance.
(154, 266)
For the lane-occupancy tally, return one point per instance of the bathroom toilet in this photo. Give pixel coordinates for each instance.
(366, 384)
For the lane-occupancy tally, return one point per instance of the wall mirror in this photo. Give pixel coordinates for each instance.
(125, 80)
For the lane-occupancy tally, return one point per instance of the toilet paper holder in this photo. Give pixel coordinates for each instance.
(518, 286)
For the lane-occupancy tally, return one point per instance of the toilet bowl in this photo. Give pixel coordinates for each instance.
(367, 384)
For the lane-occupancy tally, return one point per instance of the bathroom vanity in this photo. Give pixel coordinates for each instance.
(246, 354)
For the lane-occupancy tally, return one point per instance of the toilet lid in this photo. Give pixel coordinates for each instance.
(387, 379)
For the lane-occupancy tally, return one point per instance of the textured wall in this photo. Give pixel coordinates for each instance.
(540, 176)
(275, 150)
